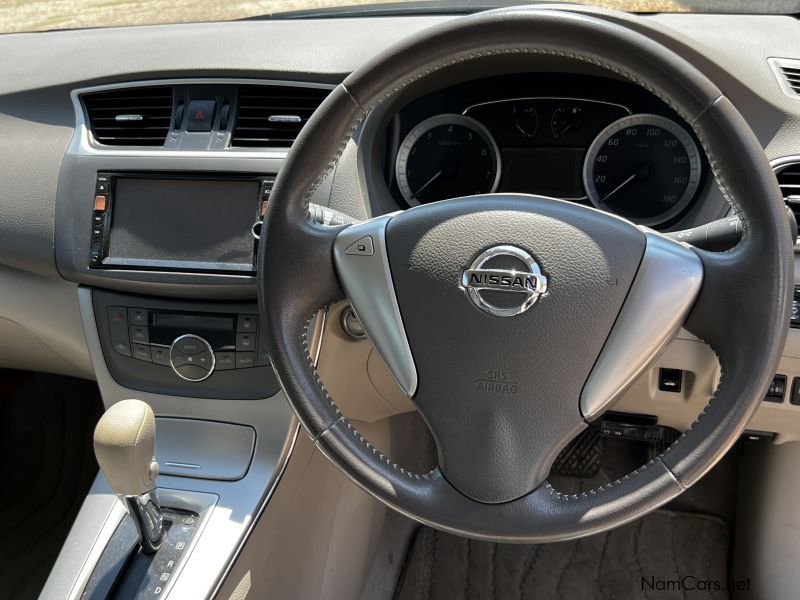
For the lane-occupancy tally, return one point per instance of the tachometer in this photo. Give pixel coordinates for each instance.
(447, 156)
(643, 167)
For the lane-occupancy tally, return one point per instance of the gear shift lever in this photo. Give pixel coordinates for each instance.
(125, 444)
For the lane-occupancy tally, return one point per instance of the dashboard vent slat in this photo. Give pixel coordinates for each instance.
(289, 107)
(130, 116)
(787, 71)
(789, 181)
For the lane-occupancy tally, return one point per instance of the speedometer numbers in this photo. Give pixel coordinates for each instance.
(447, 156)
(643, 167)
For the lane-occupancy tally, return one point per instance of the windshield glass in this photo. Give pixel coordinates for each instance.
(43, 15)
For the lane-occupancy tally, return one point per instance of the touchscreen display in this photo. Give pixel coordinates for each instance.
(170, 222)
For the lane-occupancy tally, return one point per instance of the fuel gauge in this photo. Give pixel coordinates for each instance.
(524, 119)
(565, 120)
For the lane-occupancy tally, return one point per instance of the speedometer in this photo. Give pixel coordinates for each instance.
(642, 167)
(447, 156)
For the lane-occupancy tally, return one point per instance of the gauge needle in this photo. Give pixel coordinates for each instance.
(426, 184)
(640, 172)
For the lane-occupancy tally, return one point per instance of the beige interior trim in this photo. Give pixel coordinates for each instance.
(318, 536)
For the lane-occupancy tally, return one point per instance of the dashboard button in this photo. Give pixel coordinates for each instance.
(142, 352)
(160, 355)
(190, 344)
(777, 389)
(201, 115)
(196, 365)
(795, 397)
(192, 373)
(121, 346)
(201, 359)
(137, 316)
(225, 361)
(245, 360)
(118, 327)
(140, 335)
(245, 342)
(247, 323)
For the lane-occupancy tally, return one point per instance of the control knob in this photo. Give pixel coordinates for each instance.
(191, 357)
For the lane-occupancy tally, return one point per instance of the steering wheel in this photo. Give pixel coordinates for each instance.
(514, 320)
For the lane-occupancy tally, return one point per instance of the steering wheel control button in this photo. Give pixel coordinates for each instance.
(192, 358)
(362, 247)
(504, 281)
(670, 380)
(201, 115)
(351, 325)
(777, 389)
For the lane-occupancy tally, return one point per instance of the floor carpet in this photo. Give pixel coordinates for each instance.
(47, 466)
(643, 560)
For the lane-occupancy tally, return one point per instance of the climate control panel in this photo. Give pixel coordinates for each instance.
(184, 347)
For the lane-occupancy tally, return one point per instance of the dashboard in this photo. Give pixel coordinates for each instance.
(578, 134)
(586, 139)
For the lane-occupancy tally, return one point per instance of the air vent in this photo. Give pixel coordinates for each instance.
(271, 116)
(130, 116)
(789, 181)
(787, 71)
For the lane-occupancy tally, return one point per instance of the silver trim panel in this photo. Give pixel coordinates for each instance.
(663, 292)
(208, 348)
(413, 136)
(559, 98)
(82, 142)
(367, 281)
(683, 136)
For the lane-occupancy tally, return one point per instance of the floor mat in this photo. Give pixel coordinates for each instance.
(658, 557)
(47, 466)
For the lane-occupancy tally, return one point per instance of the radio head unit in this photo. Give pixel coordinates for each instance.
(170, 222)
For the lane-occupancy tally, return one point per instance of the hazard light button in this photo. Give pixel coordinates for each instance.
(201, 115)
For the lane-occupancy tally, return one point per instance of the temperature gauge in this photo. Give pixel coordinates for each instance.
(566, 119)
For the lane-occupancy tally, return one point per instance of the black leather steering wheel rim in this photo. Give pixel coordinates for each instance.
(748, 286)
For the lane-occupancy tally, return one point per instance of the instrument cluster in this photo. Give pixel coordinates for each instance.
(629, 155)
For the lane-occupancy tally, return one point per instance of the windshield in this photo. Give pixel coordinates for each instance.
(44, 15)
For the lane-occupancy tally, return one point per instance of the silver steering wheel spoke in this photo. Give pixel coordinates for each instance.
(662, 294)
(362, 265)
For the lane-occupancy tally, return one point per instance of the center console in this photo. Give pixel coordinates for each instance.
(162, 243)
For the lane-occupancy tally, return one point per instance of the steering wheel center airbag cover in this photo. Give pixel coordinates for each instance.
(501, 395)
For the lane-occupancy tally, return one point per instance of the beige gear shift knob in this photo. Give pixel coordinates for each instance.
(125, 446)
